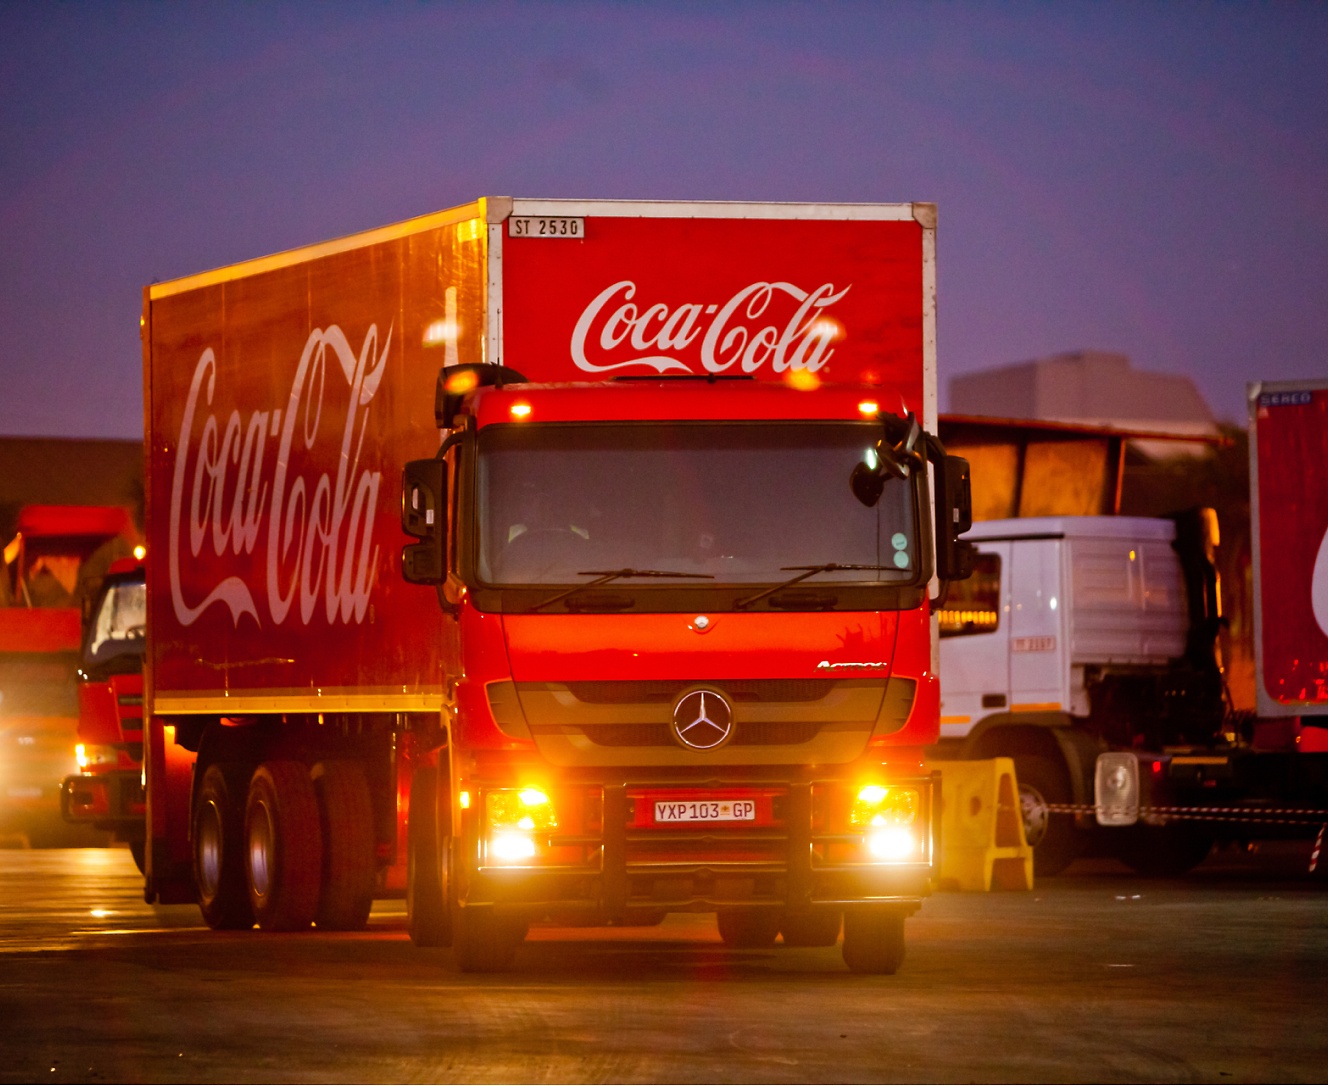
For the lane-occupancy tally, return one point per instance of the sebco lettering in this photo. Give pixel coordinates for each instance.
(316, 528)
(775, 324)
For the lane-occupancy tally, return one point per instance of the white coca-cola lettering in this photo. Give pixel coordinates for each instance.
(750, 330)
(319, 543)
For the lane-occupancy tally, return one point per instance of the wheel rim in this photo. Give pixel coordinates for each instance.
(262, 860)
(209, 848)
(1033, 807)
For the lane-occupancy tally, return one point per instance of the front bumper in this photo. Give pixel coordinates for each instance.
(614, 860)
(109, 801)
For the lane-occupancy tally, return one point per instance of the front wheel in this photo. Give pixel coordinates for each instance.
(1055, 840)
(873, 940)
(428, 915)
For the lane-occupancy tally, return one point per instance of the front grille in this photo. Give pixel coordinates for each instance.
(755, 734)
(640, 692)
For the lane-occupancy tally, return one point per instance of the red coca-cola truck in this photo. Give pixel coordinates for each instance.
(48, 570)
(659, 637)
(107, 790)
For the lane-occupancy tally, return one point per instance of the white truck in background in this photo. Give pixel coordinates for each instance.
(1078, 635)
(1086, 648)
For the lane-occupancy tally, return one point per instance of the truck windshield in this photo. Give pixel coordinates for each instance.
(117, 627)
(739, 503)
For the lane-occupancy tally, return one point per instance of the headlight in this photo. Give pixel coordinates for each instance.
(514, 817)
(88, 756)
(878, 806)
(886, 814)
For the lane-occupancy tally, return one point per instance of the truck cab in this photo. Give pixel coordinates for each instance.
(107, 791)
(47, 575)
(1074, 636)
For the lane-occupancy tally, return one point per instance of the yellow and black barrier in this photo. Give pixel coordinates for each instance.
(982, 830)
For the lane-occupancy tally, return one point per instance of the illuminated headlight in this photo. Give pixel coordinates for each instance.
(886, 815)
(894, 843)
(878, 806)
(515, 816)
(88, 756)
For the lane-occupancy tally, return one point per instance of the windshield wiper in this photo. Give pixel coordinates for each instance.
(807, 571)
(604, 576)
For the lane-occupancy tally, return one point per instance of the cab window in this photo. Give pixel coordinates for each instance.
(973, 606)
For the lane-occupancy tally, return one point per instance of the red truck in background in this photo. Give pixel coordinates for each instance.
(107, 791)
(50, 566)
(661, 637)
(1263, 775)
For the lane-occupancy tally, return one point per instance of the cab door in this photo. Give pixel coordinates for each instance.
(975, 643)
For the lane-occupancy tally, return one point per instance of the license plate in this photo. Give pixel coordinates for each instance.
(706, 810)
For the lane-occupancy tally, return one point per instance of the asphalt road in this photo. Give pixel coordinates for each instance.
(1094, 976)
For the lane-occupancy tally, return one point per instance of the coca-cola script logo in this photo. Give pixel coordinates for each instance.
(775, 324)
(318, 541)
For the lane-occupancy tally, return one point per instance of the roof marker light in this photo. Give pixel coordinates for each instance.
(521, 410)
(870, 408)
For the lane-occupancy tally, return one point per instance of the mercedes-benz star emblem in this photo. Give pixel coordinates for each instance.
(702, 720)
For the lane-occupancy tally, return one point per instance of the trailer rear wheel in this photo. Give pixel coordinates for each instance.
(818, 927)
(1054, 838)
(284, 846)
(346, 819)
(1165, 851)
(485, 942)
(218, 846)
(428, 915)
(748, 929)
(873, 940)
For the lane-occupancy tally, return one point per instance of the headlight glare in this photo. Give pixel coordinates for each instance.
(892, 843)
(879, 806)
(528, 809)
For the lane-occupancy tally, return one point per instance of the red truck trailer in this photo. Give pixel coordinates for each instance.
(660, 637)
(1263, 775)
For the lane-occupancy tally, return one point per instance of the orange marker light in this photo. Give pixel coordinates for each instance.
(521, 410)
(870, 408)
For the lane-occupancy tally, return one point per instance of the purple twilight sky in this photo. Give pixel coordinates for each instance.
(1147, 178)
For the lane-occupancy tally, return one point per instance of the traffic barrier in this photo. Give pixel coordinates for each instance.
(982, 829)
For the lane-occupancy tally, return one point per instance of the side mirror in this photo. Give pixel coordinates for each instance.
(954, 516)
(424, 516)
(896, 455)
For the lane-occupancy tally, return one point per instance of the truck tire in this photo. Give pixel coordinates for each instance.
(819, 927)
(428, 914)
(1164, 851)
(749, 929)
(349, 863)
(138, 852)
(873, 940)
(485, 942)
(283, 846)
(217, 835)
(1054, 838)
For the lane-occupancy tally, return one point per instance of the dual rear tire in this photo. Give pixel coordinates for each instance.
(284, 848)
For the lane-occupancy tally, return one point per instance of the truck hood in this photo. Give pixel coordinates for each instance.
(605, 690)
(689, 648)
